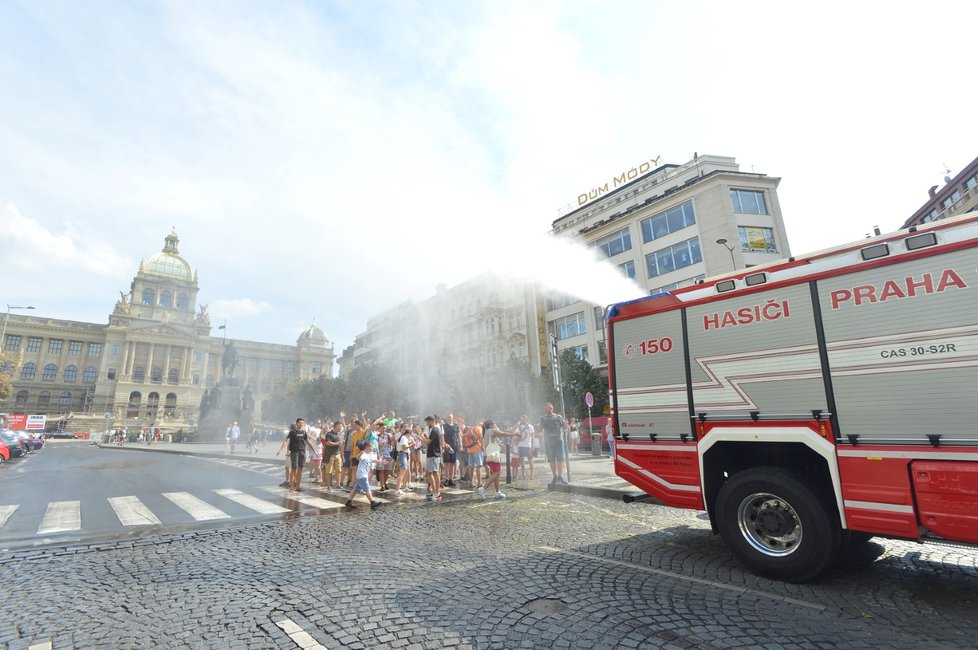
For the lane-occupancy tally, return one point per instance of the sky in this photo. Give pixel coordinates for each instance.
(330, 160)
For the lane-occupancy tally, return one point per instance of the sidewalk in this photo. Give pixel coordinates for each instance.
(590, 475)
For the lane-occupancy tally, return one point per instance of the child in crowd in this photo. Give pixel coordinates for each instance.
(364, 465)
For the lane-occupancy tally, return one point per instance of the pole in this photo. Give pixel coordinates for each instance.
(6, 317)
(563, 407)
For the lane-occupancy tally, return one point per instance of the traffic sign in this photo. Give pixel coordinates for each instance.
(589, 399)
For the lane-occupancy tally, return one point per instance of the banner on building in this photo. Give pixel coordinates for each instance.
(24, 422)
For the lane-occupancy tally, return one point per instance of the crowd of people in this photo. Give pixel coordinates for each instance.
(364, 455)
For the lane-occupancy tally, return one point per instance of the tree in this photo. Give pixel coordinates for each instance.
(9, 363)
(579, 377)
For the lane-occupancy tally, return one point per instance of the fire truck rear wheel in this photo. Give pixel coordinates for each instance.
(776, 524)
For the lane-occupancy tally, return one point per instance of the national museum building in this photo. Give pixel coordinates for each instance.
(152, 362)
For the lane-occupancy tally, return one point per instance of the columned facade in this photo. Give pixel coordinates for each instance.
(151, 363)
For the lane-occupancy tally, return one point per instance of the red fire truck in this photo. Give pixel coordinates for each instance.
(813, 403)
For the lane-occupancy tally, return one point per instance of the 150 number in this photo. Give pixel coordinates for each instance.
(654, 346)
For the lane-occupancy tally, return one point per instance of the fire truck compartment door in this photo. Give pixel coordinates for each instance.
(947, 497)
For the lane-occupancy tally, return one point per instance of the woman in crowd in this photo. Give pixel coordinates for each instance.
(492, 441)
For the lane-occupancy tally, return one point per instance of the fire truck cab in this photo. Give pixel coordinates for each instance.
(812, 403)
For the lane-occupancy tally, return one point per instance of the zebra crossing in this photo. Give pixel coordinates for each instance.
(131, 512)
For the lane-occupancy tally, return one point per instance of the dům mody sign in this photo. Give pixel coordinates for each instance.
(625, 177)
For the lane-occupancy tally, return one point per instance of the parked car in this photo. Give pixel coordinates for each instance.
(27, 440)
(14, 444)
(4, 452)
(63, 435)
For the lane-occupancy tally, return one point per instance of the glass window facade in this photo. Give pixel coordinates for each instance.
(54, 346)
(95, 350)
(756, 240)
(74, 348)
(28, 370)
(90, 374)
(748, 202)
(569, 326)
(12, 344)
(628, 269)
(34, 344)
(670, 221)
(50, 372)
(671, 258)
(614, 243)
(71, 374)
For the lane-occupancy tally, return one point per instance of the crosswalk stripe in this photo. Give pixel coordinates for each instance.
(345, 493)
(315, 502)
(132, 512)
(256, 504)
(5, 512)
(61, 516)
(456, 491)
(199, 510)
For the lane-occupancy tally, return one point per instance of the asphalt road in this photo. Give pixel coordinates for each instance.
(541, 569)
(76, 493)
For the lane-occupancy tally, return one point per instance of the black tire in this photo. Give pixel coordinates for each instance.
(776, 525)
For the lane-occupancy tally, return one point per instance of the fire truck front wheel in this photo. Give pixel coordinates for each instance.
(776, 524)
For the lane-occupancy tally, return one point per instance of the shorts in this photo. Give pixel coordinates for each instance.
(346, 459)
(296, 459)
(555, 449)
(332, 465)
(449, 457)
(404, 459)
(494, 467)
(475, 459)
(432, 464)
(362, 485)
(525, 452)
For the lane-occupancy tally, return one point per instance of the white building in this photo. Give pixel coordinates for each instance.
(668, 228)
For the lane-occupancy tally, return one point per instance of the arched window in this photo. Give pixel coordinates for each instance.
(71, 373)
(149, 296)
(166, 298)
(21, 399)
(152, 404)
(156, 376)
(50, 372)
(64, 399)
(27, 372)
(170, 406)
(135, 399)
(90, 374)
(43, 399)
(138, 373)
(183, 301)
(173, 376)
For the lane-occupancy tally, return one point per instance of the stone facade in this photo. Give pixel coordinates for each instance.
(152, 362)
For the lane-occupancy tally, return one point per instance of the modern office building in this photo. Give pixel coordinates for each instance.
(667, 226)
(152, 362)
(959, 195)
(664, 226)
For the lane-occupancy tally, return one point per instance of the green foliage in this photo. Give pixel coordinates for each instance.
(9, 363)
(502, 393)
(577, 378)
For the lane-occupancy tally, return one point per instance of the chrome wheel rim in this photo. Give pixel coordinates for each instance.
(769, 524)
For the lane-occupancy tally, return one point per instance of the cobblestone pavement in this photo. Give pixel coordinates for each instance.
(546, 569)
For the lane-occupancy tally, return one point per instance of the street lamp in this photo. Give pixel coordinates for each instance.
(723, 242)
(3, 334)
